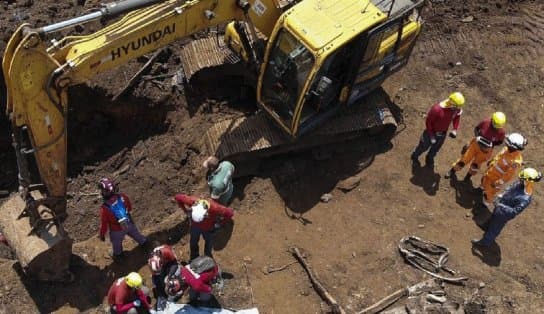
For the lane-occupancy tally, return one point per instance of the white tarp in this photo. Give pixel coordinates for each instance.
(176, 308)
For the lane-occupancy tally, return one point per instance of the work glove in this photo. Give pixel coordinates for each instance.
(453, 134)
(433, 140)
(137, 303)
(102, 238)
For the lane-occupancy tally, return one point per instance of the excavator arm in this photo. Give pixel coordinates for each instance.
(38, 73)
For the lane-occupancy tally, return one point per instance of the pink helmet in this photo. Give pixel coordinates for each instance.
(106, 186)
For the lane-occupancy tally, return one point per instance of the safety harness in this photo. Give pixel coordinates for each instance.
(119, 210)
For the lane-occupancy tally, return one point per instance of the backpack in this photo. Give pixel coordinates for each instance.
(119, 210)
(202, 264)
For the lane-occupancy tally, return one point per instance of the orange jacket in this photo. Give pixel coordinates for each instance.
(504, 165)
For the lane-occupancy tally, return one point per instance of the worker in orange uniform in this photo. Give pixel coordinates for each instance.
(503, 167)
(487, 134)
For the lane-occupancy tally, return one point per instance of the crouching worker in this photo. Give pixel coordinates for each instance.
(115, 216)
(129, 295)
(163, 263)
(220, 179)
(198, 277)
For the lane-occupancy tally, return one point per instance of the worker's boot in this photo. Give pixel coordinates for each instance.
(479, 242)
(450, 174)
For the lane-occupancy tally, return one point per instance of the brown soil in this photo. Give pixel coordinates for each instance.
(496, 60)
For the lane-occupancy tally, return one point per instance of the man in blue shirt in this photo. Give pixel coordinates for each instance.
(510, 204)
(220, 179)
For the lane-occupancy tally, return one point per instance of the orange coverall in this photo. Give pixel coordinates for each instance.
(476, 155)
(500, 170)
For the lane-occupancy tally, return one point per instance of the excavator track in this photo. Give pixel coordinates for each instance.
(204, 53)
(247, 139)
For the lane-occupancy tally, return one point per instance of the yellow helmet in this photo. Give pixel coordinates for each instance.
(498, 119)
(134, 280)
(457, 99)
(530, 174)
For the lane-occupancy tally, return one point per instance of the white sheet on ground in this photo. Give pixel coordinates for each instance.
(176, 308)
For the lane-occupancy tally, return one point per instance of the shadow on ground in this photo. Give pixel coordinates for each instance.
(425, 177)
(465, 194)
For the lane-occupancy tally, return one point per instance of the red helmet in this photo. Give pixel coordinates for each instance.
(173, 285)
(155, 263)
(106, 186)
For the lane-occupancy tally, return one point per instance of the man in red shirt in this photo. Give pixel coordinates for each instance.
(438, 120)
(115, 216)
(488, 134)
(206, 217)
(163, 262)
(129, 295)
(198, 276)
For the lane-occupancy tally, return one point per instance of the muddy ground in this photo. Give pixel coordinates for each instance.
(492, 51)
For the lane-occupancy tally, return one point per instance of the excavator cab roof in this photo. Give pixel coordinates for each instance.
(325, 24)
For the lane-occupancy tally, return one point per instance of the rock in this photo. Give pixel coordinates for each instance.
(348, 184)
(325, 198)
(247, 260)
(437, 299)
(467, 19)
(458, 63)
(481, 284)
(353, 254)
(421, 226)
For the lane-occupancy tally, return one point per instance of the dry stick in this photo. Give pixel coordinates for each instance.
(394, 297)
(268, 270)
(249, 285)
(323, 293)
(135, 77)
(385, 302)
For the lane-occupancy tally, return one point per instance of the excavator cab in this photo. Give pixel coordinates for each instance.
(321, 59)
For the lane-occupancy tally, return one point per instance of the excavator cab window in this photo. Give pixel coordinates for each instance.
(285, 75)
(326, 85)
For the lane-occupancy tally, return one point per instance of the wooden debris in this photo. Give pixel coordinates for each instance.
(319, 288)
(154, 77)
(136, 76)
(121, 171)
(268, 269)
(249, 285)
(397, 295)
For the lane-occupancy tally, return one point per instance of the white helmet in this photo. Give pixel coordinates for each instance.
(199, 210)
(516, 141)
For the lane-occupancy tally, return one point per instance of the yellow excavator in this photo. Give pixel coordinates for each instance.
(315, 66)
